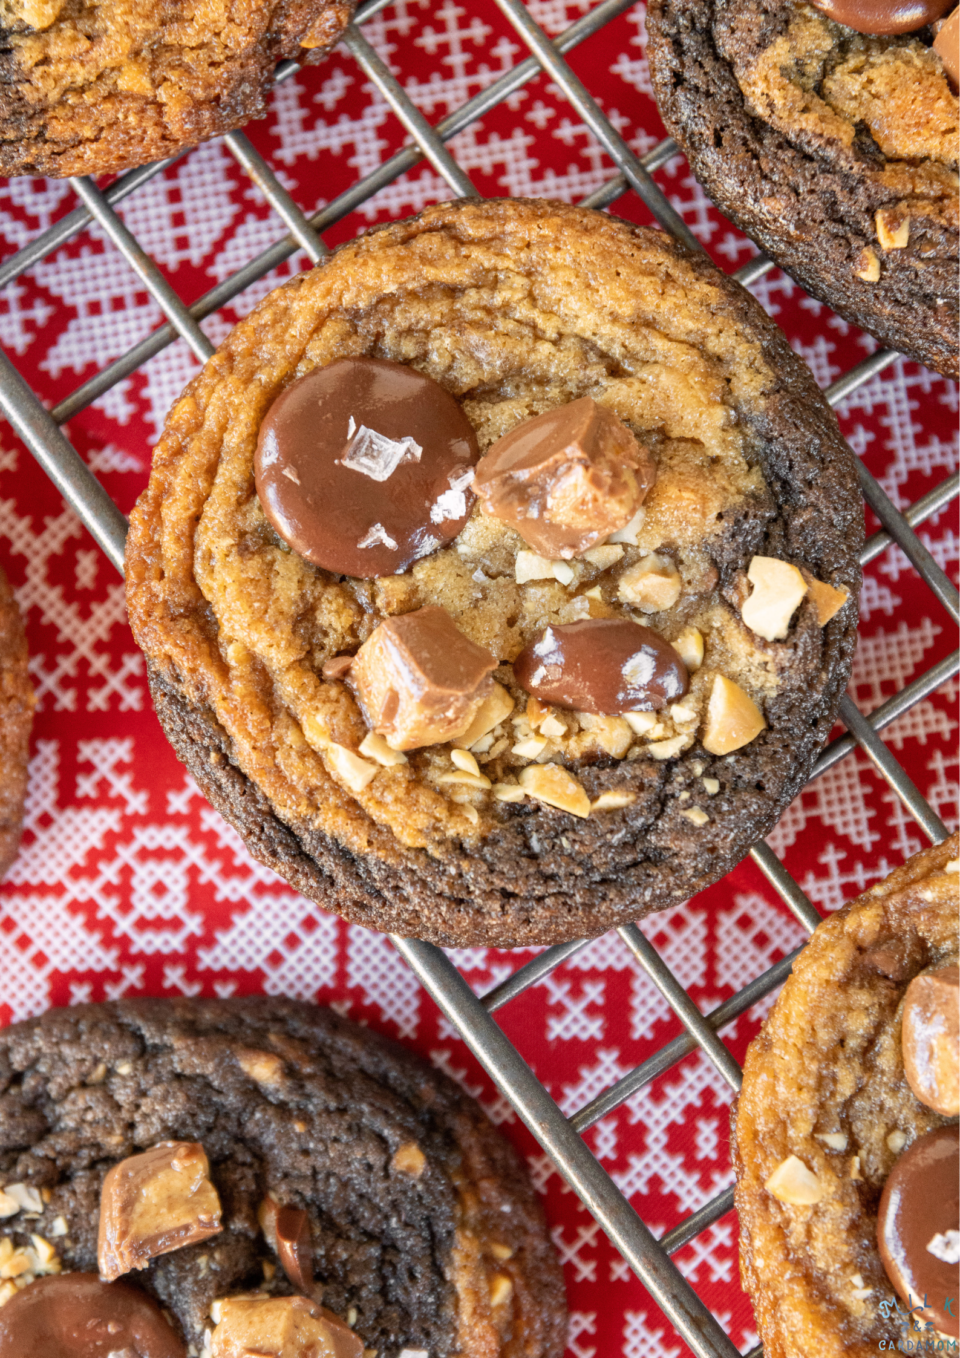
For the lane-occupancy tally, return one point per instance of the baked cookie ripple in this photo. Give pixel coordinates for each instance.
(825, 1082)
(515, 308)
(87, 88)
(16, 718)
(422, 1219)
(820, 143)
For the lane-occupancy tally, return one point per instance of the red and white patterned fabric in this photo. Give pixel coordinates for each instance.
(129, 884)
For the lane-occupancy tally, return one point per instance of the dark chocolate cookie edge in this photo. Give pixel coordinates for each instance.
(731, 152)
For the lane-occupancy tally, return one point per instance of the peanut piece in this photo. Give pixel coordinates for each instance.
(777, 591)
(492, 711)
(893, 228)
(555, 786)
(652, 585)
(354, 771)
(791, 1182)
(733, 718)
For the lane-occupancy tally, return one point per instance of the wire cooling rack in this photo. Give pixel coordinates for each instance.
(40, 428)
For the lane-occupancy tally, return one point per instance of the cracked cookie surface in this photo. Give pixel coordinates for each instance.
(90, 88)
(426, 1233)
(514, 308)
(825, 1082)
(836, 151)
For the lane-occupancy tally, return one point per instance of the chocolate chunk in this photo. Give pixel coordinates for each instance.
(603, 666)
(931, 1039)
(338, 667)
(78, 1315)
(153, 1203)
(883, 16)
(295, 1247)
(917, 1228)
(419, 680)
(364, 466)
(567, 479)
(281, 1327)
(947, 46)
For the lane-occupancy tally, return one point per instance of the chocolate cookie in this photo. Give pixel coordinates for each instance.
(835, 150)
(210, 1153)
(489, 745)
(16, 718)
(88, 88)
(833, 1126)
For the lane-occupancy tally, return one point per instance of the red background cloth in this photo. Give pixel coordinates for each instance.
(129, 884)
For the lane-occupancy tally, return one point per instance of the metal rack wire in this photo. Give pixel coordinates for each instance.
(561, 1137)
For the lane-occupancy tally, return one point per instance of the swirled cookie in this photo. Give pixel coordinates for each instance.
(836, 150)
(224, 1158)
(828, 1110)
(16, 718)
(389, 740)
(89, 88)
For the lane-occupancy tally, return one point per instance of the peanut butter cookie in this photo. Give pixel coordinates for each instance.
(91, 86)
(277, 1179)
(845, 1137)
(16, 718)
(835, 149)
(498, 578)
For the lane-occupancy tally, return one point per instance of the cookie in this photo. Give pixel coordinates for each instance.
(378, 738)
(207, 1152)
(835, 150)
(16, 718)
(829, 1115)
(101, 87)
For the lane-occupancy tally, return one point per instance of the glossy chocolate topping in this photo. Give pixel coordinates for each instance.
(295, 1247)
(604, 666)
(153, 1203)
(931, 1039)
(419, 679)
(947, 45)
(77, 1315)
(567, 479)
(920, 1208)
(883, 16)
(364, 466)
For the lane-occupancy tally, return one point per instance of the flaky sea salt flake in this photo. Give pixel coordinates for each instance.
(377, 456)
(377, 537)
(452, 504)
(946, 1246)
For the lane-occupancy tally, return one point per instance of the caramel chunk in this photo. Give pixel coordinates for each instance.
(153, 1203)
(918, 1224)
(419, 680)
(931, 1039)
(603, 666)
(280, 1327)
(567, 479)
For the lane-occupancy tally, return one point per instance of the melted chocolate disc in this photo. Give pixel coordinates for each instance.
(76, 1315)
(883, 16)
(604, 666)
(364, 466)
(920, 1204)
